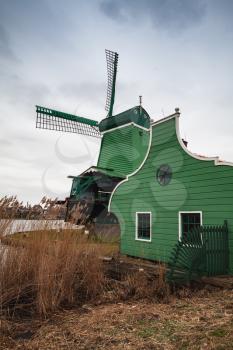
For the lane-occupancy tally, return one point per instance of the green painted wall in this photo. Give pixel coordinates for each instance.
(123, 149)
(196, 185)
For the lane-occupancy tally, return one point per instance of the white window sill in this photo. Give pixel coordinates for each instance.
(143, 240)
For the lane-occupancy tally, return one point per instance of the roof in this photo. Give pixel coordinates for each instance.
(137, 115)
(105, 171)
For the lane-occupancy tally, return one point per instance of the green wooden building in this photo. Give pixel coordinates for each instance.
(171, 205)
(170, 192)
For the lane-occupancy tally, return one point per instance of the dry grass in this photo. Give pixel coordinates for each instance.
(203, 321)
(138, 285)
(45, 270)
(43, 275)
(46, 273)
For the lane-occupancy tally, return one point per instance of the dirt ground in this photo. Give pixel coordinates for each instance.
(200, 321)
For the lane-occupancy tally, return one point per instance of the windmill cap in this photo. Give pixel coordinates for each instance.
(136, 115)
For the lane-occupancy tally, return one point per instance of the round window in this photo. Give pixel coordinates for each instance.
(164, 175)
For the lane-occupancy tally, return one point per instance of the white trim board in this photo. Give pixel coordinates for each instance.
(136, 226)
(133, 173)
(165, 119)
(123, 126)
(187, 212)
(216, 160)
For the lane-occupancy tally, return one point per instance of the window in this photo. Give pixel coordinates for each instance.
(188, 221)
(143, 226)
(164, 174)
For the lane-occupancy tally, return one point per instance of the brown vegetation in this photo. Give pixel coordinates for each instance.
(45, 270)
(12, 208)
(191, 322)
(43, 275)
(40, 274)
(46, 273)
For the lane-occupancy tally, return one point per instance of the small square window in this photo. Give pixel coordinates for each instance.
(143, 226)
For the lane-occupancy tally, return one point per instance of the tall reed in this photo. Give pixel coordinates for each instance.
(40, 275)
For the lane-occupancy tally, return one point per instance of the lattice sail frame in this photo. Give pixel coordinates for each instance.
(54, 120)
(112, 61)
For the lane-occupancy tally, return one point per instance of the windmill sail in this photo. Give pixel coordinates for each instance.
(112, 61)
(54, 120)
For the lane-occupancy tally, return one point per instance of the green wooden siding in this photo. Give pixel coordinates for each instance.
(137, 115)
(123, 149)
(196, 185)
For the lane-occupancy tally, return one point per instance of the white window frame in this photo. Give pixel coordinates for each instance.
(187, 212)
(136, 226)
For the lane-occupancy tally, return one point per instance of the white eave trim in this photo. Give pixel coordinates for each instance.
(165, 119)
(215, 159)
(123, 126)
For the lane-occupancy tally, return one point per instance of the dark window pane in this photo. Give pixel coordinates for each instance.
(143, 228)
(189, 221)
(185, 218)
(185, 228)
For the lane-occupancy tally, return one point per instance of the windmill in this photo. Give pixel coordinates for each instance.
(124, 139)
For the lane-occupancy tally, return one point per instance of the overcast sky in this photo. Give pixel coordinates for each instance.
(176, 53)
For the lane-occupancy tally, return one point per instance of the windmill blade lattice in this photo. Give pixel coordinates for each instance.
(54, 120)
(112, 61)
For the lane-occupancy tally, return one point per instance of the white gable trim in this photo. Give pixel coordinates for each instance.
(133, 173)
(215, 159)
(123, 126)
(165, 119)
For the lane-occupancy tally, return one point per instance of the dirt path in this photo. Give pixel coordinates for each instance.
(203, 321)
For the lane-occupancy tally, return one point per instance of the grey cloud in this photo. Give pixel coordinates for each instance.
(86, 92)
(83, 89)
(6, 51)
(10, 155)
(17, 91)
(22, 12)
(165, 14)
(35, 20)
(5, 143)
(223, 6)
(23, 138)
(113, 10)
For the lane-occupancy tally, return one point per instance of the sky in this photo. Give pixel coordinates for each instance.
(175, 53)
